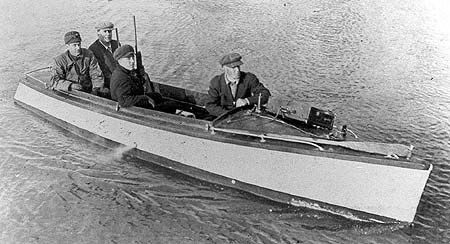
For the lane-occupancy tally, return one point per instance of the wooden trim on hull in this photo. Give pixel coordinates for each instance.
(381, 190)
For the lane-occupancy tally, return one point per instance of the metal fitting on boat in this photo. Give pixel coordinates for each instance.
(258, 107)
(344, 131)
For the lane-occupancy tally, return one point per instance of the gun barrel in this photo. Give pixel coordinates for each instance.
(117, 36)
(135, 35)
(138, 55)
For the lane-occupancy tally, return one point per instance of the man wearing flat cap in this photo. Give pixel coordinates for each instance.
(129, 90)
(77, 68)
(103, 49)
(234, 88)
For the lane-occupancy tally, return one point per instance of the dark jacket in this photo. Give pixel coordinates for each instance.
(220, 99)
(84, 70)
(127, 88)
(105, 59)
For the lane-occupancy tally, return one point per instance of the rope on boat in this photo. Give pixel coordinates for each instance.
(281, 121)
(48, 67)
(264, 136)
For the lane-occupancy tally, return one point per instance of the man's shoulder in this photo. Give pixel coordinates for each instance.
(94, 45)
(62, 57)
(248, 76)
(215, 81)
(88, 53)
(117, 73)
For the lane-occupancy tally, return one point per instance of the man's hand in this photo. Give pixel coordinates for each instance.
(103, 91)
(241, 102)
(141, 71)
(100, 91)
(76, 86)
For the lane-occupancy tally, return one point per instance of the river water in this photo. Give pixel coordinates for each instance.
(382, 66)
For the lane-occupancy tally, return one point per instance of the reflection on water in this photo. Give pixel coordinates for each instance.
(382, 67)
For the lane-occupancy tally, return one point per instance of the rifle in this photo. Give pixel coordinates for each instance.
(139, 67)
(117, 36)
(138, 55)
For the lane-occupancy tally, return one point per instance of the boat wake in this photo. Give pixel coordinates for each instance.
(119, 152)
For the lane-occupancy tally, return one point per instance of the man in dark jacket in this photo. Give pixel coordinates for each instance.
(129, 90)
(103, 49)
(234, 88)
(77, 68)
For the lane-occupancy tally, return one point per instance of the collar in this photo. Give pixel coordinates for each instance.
(127, 71)
(228, 80)
(74, 59)
(104, 45)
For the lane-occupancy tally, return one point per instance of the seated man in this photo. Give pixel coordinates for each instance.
(234, 88)
(77, 68)
(129, 90)
(103, 49)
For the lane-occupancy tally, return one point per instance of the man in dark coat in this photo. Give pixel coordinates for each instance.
(128, 90)
(234, 88)
(103, 49)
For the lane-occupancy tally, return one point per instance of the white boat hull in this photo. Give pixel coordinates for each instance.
(378, 189)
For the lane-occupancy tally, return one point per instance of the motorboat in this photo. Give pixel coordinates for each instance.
(277, 150)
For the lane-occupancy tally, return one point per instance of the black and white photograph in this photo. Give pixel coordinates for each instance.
(216, 122)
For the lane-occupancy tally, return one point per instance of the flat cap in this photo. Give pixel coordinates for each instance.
(231, 60)
(72, 37)
(123, 52)
(104, 25)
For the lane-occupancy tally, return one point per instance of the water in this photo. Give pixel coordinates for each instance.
(383, 67)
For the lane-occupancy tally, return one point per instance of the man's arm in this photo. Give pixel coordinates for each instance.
(95, 73)
(148, 85)
(124, 96)
(257, 88)
(58, 77)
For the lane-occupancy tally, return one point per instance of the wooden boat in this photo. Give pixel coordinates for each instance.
(264, 151)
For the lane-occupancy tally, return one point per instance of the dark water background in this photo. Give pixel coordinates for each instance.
(382, 66)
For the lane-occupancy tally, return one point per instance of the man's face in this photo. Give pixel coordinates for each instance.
(127, 62)
(105, 35)
(74, 48)
(233, 72)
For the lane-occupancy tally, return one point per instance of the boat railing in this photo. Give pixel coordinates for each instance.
(388, 150)
(28, 74)
(264, 136)
(393, 151)
(39, 69)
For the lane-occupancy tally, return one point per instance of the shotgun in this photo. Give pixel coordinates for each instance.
(117, 36)
(139, 66)
(140, 71)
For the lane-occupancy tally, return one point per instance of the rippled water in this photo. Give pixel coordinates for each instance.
(382, 66)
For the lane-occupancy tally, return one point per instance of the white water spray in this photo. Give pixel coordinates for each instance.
(120, 151)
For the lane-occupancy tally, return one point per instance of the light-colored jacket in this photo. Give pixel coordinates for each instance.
(83, 69)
